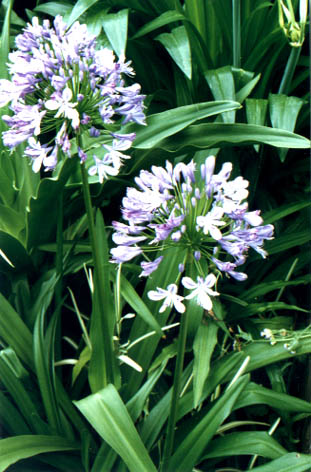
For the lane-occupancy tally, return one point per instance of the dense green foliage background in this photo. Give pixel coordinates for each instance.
(221, 78)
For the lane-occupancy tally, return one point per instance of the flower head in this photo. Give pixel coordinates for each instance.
(204, 213)
(62, 86)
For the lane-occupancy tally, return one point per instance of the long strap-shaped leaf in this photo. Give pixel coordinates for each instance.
(15, 333)
(186, 455)
(288, 463)
(245, 443)
(22, 447)
(108, 415)
(167, 123)
(218, 134)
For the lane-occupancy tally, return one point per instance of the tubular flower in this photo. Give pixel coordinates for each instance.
(62, 86)
(204, 213)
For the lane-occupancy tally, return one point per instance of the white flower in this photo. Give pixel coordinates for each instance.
(124, 253)
(266, 333)
(65, 107)
(210, 221)
(201, 290)
(103, 168)
(37, 152)
(114, 154)
(8, 92)
(170, 298)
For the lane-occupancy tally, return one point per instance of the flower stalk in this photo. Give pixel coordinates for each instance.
(172, 419)
(99, 287)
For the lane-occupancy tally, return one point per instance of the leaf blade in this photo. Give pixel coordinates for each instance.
(107, 413)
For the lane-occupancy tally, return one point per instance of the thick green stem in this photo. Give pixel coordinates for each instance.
(236, 33)
(289, 70)
(169, 440)
(99, 289)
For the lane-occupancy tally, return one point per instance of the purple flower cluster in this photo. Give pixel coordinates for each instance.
(201, 211)
(63, 86)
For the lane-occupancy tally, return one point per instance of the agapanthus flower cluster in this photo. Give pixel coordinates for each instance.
(204, 213)
(62, 86)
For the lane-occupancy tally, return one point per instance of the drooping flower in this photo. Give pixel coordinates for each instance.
(62, 87)
(125, 253)
(149, 267)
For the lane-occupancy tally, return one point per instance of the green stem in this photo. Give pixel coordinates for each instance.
(99, 288)
(169, 440)
(289, 70)
(59, 271)
(236, 33)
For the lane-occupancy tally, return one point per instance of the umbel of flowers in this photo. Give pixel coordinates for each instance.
(198, 210)
(61, 86)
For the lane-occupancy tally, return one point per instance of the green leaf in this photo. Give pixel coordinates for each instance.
(45, 372)
(115, 26)
(287, 241)
(42, 208)
(244, 92)
(266, 287)
(218, 134)
(290, 462)
(102, 362)
(221, 83)
(203, 347)
(170, 122)
(162, 20)
(54, 8)
(154, 422)
(15, 252)
(42, 294)
(5, 40)
(284, 111)
(10, 418)
(198, 12)
(143, 352)
(138, 401)
(187, 456)
(80, 7)
(177, 45)
(135, 301)
(283, 114)
(95, 22)
(12, 222)
(104, 459)
(14, 386)
(284, 210)
(261, 357)
(15, 333)
(256, 394)
(256, 308)
(21, 447)
(108, 415)
(245, 443)
(256, 111)
(84, 358)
